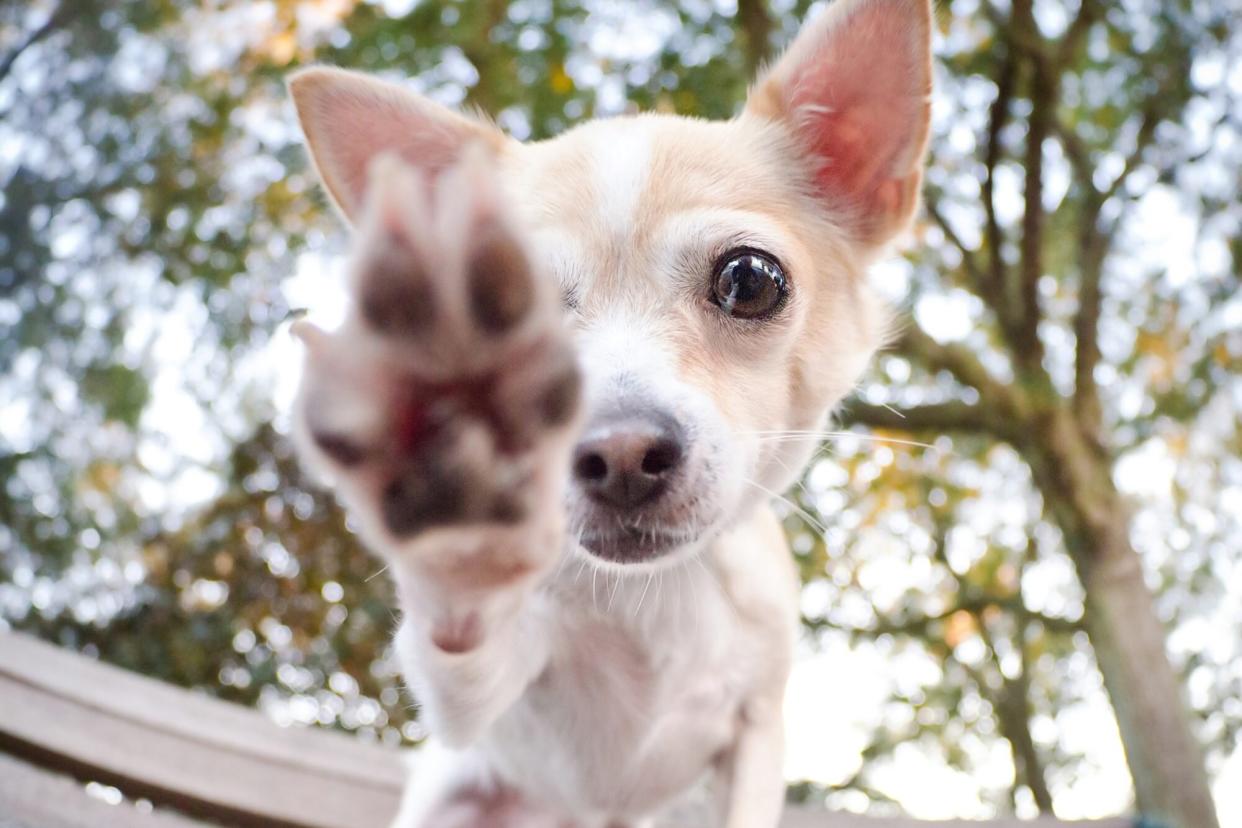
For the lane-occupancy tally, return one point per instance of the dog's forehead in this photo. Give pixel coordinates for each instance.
(614, 182)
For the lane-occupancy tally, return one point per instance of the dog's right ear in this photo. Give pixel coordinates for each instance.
(854, 88)
(349, 118)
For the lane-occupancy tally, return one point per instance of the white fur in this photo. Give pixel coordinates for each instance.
(621, 160)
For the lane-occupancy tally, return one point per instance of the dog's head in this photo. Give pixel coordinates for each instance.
(713, 271)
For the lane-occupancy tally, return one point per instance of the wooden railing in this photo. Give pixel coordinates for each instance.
(183, 760)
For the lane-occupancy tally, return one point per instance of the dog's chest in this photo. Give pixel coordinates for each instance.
(636, 701)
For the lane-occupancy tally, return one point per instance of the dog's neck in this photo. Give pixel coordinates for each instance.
(660, 599)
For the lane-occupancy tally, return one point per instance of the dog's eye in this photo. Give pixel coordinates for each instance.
(748, 285)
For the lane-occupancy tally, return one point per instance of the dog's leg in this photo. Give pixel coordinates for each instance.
(751, 784)
(750, 787)
(443, 409)
(457, 789)
(461, 693)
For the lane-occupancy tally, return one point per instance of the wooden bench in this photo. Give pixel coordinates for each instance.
(184, 760)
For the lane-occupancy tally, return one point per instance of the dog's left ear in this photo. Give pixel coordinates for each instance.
(854, 88)
(350, 118)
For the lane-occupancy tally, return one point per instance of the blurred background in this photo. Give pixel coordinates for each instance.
(1043, 473)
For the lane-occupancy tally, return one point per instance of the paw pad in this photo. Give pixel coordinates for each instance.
(395, 298)
(453, 381)
(560, 398)
(508, 508)
(428, 495)
(501, 290)
(339, 448)
(423, 497)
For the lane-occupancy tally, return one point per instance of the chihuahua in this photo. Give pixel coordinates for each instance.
(572, 374)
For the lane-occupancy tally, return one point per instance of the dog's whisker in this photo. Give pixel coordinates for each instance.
(594, 578)
(793, 436)
(797, 482)
(616, 584)
(803, 432)
(565, 555)
(811, 432)
(679, 598)
(803, 513)
(643, 597)
(879, 441)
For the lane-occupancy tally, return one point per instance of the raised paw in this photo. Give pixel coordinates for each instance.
(446, 398)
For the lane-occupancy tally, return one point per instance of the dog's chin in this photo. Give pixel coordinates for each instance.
(634, 546)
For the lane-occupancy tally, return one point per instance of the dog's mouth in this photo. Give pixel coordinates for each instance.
(632, 545)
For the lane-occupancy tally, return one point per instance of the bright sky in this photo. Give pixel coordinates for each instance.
(835, 694)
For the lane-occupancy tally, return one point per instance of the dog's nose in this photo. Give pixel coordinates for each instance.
(626, 462)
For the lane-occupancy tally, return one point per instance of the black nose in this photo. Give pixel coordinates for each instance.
(627, 461)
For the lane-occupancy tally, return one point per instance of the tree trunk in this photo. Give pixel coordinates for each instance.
(1166, 761)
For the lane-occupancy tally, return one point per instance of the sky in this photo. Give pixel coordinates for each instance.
(832, 696)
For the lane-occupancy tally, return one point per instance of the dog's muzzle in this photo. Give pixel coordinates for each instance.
(627, 467)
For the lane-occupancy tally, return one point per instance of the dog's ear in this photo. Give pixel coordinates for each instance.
(349, 118)
(855, 90)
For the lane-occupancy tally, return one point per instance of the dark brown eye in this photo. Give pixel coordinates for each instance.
(748, 285)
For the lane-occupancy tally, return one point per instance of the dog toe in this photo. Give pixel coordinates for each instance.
(500, 286)
(394, 290)
(341, 449)
(559, 398)
(421, 498)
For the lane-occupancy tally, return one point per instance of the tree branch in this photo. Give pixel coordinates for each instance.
(1025, 39)
(1011, 703)
(937, 417)
(952, 416)
(1084, 166)
(1002, 409)
(1088, 13)
(757, 29)
(918, 624)
(1094, 246)
(1078, 153)
(980, 283)
(998, 116)
(478, 48)
(963, 364)
(1146, 134)
(56, 20)
(1043, 96)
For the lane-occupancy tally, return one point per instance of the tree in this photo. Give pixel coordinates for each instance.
(156, 199)
(1043, 280)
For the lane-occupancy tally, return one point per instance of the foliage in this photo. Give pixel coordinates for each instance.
(156, 201)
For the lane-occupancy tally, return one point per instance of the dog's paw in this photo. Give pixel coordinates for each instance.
(446, 399)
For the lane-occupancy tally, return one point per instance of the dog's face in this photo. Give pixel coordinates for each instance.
(716, 306)
(712, 271)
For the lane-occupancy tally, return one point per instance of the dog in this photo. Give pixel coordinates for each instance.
(572, 375)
